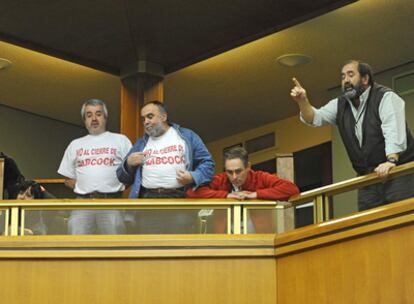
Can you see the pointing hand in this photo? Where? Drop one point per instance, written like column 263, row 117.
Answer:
column 298, row 93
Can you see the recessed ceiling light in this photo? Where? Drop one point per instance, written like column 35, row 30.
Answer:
column 294, row 60
column 4, row 63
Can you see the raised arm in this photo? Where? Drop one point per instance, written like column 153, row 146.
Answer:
column 298, row 94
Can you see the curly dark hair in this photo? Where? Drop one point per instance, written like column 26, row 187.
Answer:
column 364, row 69
column 33, row 188
column 12, row 176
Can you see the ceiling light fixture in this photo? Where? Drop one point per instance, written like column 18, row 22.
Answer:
column 294, row 60
column 4, row 63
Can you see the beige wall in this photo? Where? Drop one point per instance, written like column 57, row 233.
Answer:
column 36, row 143
column 291, row 136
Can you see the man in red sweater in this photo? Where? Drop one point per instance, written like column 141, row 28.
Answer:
column 240, row 182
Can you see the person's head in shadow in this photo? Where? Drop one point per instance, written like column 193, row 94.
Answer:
column 29, row 190
column 41, row 221
column 12, row 176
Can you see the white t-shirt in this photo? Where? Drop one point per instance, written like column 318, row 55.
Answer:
column 164, row 156
column 93, row 159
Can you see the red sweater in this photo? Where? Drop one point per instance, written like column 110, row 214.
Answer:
column 266, row 185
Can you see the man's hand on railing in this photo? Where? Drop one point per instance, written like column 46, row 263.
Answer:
column 250, row 195
column 242, row 195
column 384, row 168
column 70, row 183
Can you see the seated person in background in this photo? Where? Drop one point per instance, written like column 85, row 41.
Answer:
column 16, row 187
column 240, row 182
column 12, row 176
column 41, row 222
column 30, row 190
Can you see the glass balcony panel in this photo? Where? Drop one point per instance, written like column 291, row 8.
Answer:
column 130, row 221
column 2, row 221
column 268, row 220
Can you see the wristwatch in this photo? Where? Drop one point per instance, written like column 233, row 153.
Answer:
column 392, row 160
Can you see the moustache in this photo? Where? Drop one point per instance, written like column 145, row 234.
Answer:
column 348, row 86
column 349, row 91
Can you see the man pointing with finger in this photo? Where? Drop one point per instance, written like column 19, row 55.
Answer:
column 371, row 121
column 166, row 161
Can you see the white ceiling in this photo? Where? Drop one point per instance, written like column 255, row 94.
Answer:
column 237, row 90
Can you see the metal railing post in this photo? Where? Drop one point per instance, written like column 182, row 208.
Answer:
column 237, row 219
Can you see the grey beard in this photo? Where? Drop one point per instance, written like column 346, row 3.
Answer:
column 351, row 94
column 355, row 92
column 156, row 131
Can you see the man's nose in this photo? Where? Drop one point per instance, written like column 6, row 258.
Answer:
column 347, row 79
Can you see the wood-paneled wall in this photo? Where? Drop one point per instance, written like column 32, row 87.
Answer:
column 170, row 269
column 364, row 258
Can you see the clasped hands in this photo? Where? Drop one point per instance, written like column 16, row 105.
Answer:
column 242, row 195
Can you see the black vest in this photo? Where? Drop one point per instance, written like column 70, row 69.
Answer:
column 372, row 151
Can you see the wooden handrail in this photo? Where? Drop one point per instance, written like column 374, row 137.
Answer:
column 119, row 203
column 333, row 189
column 350, row 184
column 49, row 181
column 320, row 196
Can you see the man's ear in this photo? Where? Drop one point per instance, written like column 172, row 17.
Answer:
column 365, row 80
column 249, row 165
column 164, row 117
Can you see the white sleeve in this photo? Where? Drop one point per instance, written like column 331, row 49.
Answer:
column 67, row 165
column 392, row 114
column 126, row 146
column 325, row 115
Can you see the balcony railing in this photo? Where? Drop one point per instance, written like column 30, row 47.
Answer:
column 320, row 196
column 16, row 214
column 238, row 215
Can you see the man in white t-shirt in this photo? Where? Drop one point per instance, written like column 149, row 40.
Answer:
column 163, row 163
column 89, row 166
